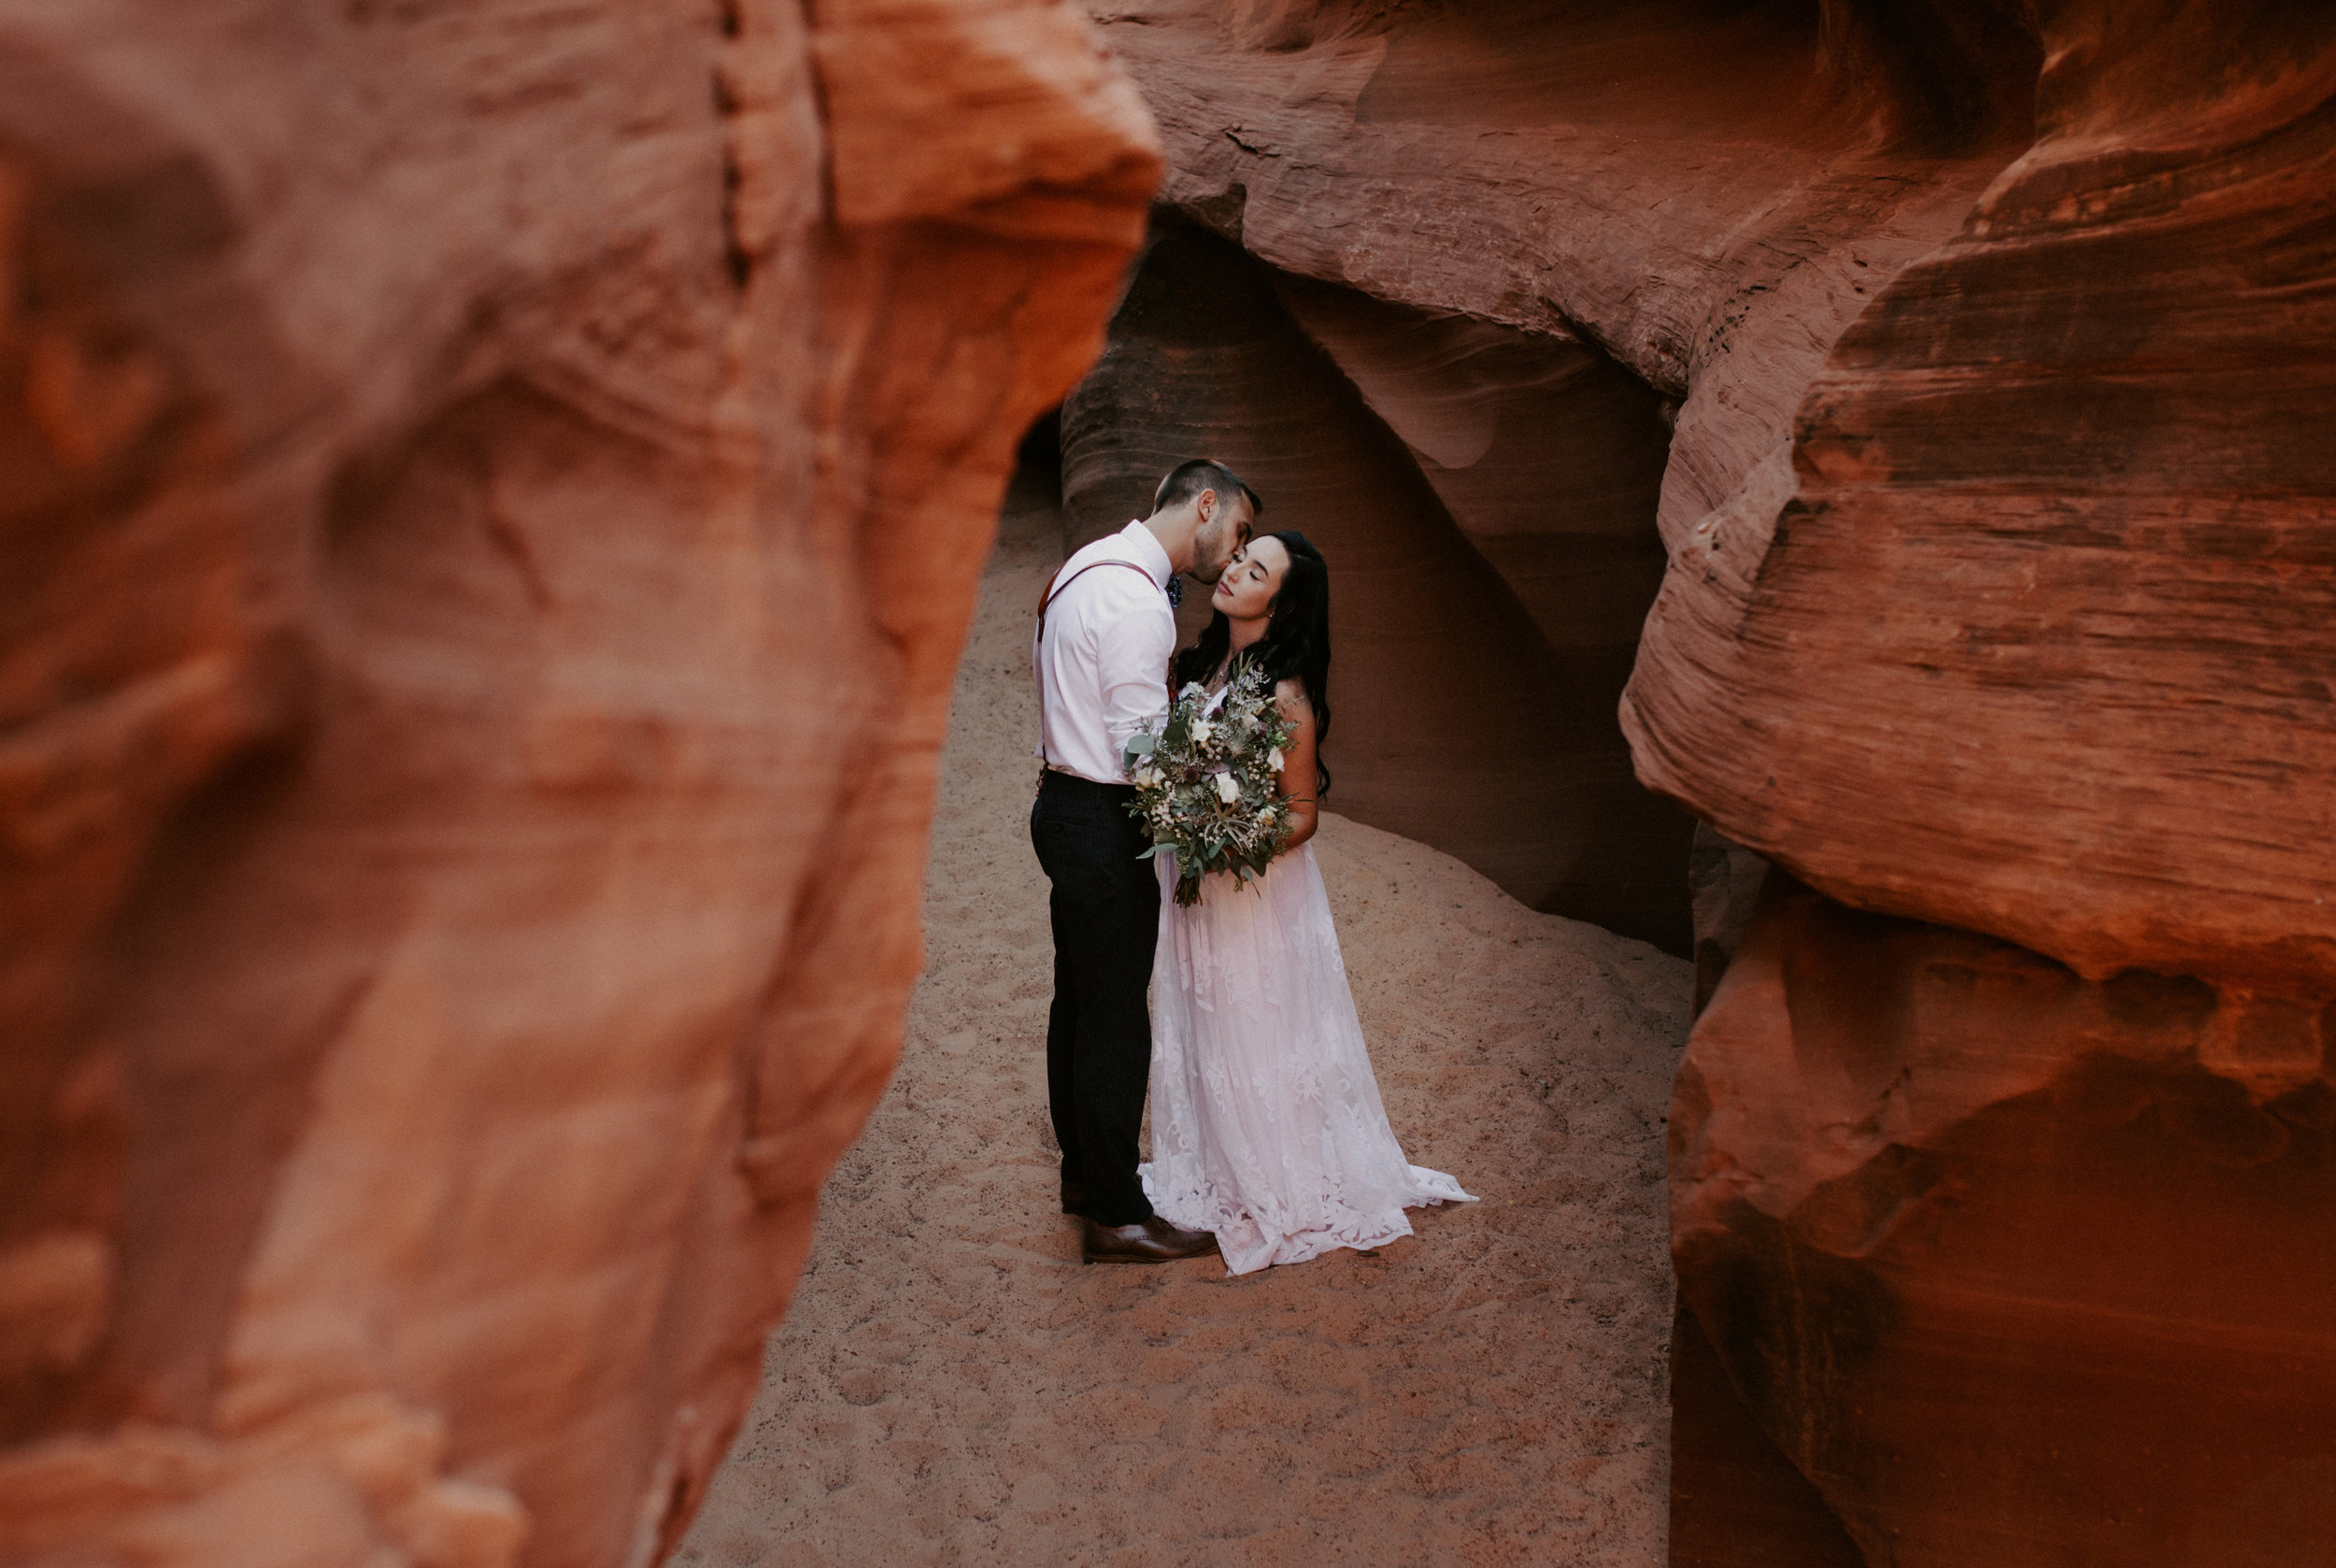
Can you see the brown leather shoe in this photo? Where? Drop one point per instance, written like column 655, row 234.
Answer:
column 1075, row 1199
column 1153, row 1241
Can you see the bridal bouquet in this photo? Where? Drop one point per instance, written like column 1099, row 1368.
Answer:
column 1204, row 784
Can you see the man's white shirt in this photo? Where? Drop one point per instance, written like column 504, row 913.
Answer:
column 1102, row 664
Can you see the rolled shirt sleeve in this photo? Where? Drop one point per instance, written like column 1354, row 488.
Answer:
column 1132, row 655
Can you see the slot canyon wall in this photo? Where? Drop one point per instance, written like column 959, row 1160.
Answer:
column 1486, row 607
column 493, row 494
column 1496, row 301
column 1964, row 366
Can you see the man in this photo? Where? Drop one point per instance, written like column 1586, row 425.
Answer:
column 1105, row 632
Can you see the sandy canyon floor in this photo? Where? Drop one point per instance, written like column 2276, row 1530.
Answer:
column 954, row 1386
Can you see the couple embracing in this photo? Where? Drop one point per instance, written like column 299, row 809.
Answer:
column 1268, row 1141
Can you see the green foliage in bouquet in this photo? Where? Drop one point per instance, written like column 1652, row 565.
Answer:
column 1204, row 786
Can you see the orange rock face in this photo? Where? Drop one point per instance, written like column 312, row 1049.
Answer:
column 2036, row 634
column 2022, row 1263
column 1996, row 346
column 2019, row 1268
column 1481, row 638
column 1566, row 275
column 492, row 497
column 1709, row 194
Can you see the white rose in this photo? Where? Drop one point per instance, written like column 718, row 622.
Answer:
column 1228, row 787
column 1273, row 759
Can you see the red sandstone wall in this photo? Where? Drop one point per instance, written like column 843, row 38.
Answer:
column 492, row 497
column 2038, row 641
column 492, row 500
column 2022, row 1263
column 2017, row 1267
column 1709, row 193
column 1571, row 268
column 1998, row 596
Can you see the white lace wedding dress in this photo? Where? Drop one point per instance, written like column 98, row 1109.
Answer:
column 1266, row 1122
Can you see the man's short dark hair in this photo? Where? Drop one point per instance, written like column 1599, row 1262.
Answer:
column 1188, row 480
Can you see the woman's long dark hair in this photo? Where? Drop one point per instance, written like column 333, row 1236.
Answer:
column 1297, row 640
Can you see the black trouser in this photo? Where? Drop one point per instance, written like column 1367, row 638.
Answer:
column 1106, row 907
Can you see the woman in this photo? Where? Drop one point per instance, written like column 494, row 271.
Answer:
column 1266, row 1122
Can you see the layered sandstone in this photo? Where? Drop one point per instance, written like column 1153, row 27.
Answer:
column 2035, row 633
column 2017, row 1267
column 2031, row 636
column 1708, row 193
column 1995, row 345
column 1566, row 275
column 492, row 498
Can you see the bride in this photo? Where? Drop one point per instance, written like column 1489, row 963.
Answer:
column 1266, row 1124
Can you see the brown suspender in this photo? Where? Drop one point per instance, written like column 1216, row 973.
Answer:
column 1046, row 601
column 1052, row 594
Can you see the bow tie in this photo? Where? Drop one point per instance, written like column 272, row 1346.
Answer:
column 1175, row 591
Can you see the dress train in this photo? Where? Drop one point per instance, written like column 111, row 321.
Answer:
column 1267, row 1127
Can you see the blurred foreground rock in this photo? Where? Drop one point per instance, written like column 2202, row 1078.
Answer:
column 492, row 497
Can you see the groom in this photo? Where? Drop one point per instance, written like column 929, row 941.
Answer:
column 1106, row 631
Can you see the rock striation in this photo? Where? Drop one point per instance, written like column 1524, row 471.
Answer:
column 1709, row 194
column 1994, row 343
column 2029, row 637
column 1571, row 273
column 492, row 498
column 2033, row 634
column 2017, row 1267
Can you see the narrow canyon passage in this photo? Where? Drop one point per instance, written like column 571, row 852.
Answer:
column 491, row 501
column 953, row 1386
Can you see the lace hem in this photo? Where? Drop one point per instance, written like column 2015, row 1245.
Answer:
column 1181, row 1195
